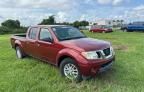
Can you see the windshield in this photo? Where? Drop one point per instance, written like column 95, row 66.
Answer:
column 104, row 26
column 67, row 33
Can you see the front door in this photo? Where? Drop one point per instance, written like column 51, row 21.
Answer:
column 47, row 49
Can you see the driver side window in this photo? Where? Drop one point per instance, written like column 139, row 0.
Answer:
column 45, row 35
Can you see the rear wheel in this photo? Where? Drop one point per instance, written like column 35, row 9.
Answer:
column 19, row 53
column 91, row 31
column 103, row 32
column 70, row 69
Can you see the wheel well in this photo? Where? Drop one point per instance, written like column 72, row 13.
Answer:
column 62, row 58
column 16, row 45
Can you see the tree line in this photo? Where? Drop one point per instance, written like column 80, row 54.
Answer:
column 14, row 26
column 51, row 21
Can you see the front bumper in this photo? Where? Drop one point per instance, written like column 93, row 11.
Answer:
column 96, row 66
column 105, row 66
column 108, row 31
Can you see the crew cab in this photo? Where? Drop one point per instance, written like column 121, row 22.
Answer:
column 100, row 29
column 76, row 55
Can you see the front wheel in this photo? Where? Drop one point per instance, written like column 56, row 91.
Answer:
column 125, row 30
column 70, row 69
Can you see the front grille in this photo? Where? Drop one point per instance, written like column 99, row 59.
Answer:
column 107, row 51
column 106, row 64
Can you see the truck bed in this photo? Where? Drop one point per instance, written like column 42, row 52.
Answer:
column 20, row 35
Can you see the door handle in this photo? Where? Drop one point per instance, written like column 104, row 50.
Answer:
column 38, row 45
column 27, row 42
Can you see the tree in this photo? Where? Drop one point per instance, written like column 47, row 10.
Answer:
column 84, row 23
column 76, row 24
column 80, row 23
column 49, row 21
column 11, row 23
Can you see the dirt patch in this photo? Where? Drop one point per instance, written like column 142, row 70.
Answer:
column 121, row 47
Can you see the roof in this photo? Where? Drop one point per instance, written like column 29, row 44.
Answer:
column 48, row 25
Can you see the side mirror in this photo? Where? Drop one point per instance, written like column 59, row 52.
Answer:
column 48, row 40
column 81, row 31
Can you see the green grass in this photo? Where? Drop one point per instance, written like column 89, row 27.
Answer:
column 32, row 75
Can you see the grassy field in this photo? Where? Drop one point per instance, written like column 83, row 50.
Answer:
column 32, row 75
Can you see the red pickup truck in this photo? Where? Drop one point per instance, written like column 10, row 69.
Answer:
column 76, row 55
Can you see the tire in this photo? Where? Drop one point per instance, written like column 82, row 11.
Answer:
column 19, row 53
column 91, row 31
column 103, row 32
column 70, row 70
column 125, row 30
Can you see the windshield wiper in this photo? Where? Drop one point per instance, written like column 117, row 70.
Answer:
column 73, row 38
column 79, row 37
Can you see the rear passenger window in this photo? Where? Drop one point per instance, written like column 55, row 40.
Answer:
column 33, row 33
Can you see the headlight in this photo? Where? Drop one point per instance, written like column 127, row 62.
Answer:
column 112, row 50
column 90, row 55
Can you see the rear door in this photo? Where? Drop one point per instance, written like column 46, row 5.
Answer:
column 31, row 47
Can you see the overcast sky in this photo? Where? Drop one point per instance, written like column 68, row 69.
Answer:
column 31, row 12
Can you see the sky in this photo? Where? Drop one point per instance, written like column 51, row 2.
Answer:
column 31, row 12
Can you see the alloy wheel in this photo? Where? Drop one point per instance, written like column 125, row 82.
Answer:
column 71, row 71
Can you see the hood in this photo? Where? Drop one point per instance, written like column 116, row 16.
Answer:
column 86, row 44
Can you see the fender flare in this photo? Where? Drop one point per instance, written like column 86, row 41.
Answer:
column 74, row 54
column 17, row 42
